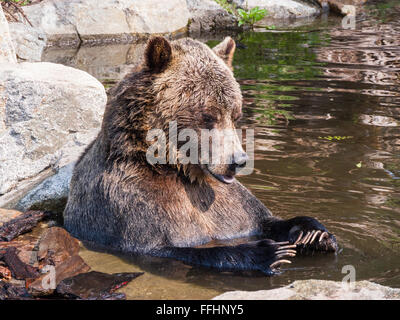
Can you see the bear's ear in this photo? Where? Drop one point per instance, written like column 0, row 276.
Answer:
column 157, row 54
column 225, row 50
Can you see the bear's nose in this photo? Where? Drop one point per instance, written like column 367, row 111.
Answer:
column 240, row 159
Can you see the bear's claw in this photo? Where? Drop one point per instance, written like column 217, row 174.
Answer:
column 310, row 237
column 307, row 233
column 279, row 263
column 270, row 255
column 309, row 240
column 283, row 250
column 287, row 250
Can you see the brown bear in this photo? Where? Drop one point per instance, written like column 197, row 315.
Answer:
column 120, row 200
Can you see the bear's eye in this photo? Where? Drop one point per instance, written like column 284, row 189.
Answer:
column 209, row 119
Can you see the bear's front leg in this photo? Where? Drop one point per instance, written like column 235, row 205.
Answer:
column 305, row 232
column 264, row 255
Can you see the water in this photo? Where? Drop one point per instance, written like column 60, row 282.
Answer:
column 325, row 106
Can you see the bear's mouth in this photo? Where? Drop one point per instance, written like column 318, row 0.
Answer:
column 222, row 177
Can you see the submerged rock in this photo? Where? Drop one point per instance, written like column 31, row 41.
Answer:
column 50, row 113
column 95, row 285
column 68, row 22
column 317, row 290
column 7, row 52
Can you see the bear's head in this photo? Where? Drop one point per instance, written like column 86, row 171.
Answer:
column 188, row 92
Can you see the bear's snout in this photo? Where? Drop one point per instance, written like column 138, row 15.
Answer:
column 240, row 159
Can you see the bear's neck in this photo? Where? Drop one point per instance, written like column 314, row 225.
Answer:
column 124, row 129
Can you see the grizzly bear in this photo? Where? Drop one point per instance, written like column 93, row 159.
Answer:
column 120, row 200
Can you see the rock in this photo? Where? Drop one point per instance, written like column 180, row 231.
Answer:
column 6, row 215
column 340, row 6
column 30, row 258
column 7, row 52
column 18, row 268
column 5, row 273
column 57, row 245
column 317, row 290
column 281, row 9
column 51, row 194
column 48, row 114
column 95, row 285
column 57, row 250
column 9, row 291
column 28, row 42
column 68, row 22
column 207, row 15
column 70, row 267
column 154, row 16
column 26, row 248
column 110, row 62
column 378, row 121
column 21, row 224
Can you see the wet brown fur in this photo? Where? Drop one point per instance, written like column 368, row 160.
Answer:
column 119, row 200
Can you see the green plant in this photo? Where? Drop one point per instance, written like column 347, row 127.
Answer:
column 250, row 17
column 337, row 138
column 19, row 2
column 229, row 7
column 244, row 16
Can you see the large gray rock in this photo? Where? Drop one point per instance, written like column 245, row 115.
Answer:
column 72, row 21
column 108, row 63
column 48, row 114
column 28, row 42
column 318, row 290
column 104, row 63
column 207, row 15
column 282, row 9
column 7, row 52
column 51, row 194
